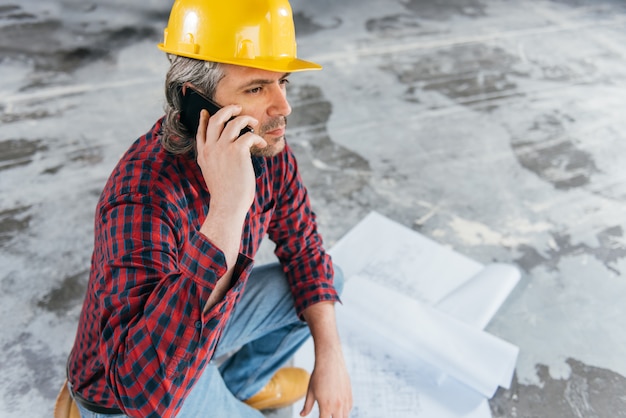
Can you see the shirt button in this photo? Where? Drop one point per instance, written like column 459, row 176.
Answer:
column 198, row 324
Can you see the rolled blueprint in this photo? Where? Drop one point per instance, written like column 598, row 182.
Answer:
column 423, row 338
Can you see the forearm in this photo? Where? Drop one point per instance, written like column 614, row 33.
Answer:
column 330, row 384
column 322, row 323
column 223, row 227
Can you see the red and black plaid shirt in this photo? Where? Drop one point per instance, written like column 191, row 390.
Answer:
column 142, row 339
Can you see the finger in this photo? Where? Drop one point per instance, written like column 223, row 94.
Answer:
column 202, row 128
column 218, row 121
column 250, row 140
column 324, row 412
column 308, row 405
column 234, row 127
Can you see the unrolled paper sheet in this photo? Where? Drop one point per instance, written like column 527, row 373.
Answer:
column 411, row 325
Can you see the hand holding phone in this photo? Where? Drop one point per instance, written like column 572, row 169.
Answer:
column 192, row 104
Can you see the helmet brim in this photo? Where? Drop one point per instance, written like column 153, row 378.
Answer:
column 284, row 65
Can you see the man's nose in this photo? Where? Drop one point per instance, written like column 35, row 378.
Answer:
column 279, row 105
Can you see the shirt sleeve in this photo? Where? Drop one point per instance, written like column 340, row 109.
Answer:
column 154, row 280
column 299, row 246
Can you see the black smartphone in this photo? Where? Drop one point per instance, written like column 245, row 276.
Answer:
column 192, row 104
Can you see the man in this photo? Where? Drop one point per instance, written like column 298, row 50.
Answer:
column 176, row 322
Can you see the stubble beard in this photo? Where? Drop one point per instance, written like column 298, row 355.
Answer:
column 275, row 145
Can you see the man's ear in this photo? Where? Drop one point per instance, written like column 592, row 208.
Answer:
column 183, row 88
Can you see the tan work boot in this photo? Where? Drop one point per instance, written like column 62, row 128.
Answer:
column 64, row 406
column 286, row 386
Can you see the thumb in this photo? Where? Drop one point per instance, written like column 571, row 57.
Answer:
column 308, row 404
column 259, row 142
column 252, row 140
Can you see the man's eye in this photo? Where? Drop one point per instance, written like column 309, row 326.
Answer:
column 284, row 81
column 255, row 90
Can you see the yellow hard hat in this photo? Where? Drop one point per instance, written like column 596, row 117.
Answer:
column 250, row 33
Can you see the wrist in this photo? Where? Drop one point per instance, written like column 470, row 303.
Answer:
column 227, row 210
column 322, row 323
column 223, row 227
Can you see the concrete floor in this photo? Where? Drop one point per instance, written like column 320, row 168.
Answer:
column 492, row 126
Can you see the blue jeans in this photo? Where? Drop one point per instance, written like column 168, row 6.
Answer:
column 264, row 332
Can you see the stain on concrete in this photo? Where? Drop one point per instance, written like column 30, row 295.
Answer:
column 468, row 86
column 64, row 46
column 610, row 250
column 52, row 170
column 564, row 73
column 394, row 25
column 531, row 258
column 612, row 247
column 10, row 117
column 14, row 12
column 29, row 38
column 159, row 16
column 311, row 113
column 92, row 155
column 615, row 4
column 547, row 149
column 334, row 175
column 7, row 9
column 589, row 392
column 102, row 46
column 306, row 25
column 445, row 9
column 18, row 152
column 12, row 222
column 311, row 109
column 32, row 356
column 479, row 76
column 560, row 163
column 66, row 295
column 467, row 74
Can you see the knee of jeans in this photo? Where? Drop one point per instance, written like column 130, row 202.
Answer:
column 338, row 279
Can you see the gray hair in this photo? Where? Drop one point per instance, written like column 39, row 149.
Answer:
column 204, row 75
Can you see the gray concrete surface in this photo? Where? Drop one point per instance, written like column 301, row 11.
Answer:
column 494, row 127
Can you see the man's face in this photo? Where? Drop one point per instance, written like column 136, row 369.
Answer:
column 262, row 95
